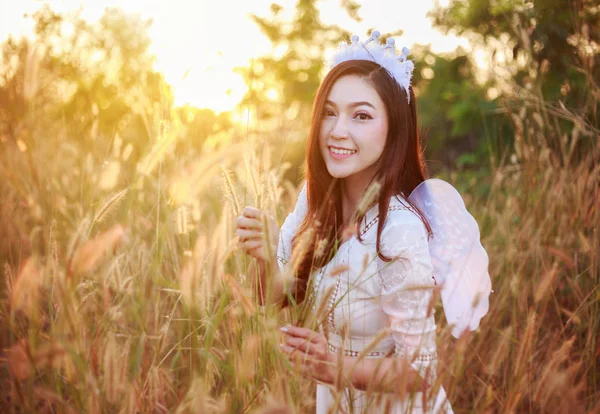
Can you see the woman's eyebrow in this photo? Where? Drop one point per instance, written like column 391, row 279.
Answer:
column 351, row 104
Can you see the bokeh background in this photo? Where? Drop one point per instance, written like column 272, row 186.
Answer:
column 133, row 132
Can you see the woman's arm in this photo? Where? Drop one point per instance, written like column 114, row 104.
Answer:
column 406, row 298
column 309, row 350
column 391, row 374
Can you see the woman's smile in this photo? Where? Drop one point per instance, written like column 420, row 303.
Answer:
column 340, row 153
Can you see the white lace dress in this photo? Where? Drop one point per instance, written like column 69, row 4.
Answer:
column 372, row 295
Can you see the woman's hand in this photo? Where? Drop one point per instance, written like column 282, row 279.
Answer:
column 258, row 233
column 308, row 350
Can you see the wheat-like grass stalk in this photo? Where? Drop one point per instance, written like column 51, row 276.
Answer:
column 231, row 191
column 113, row 202
column 369, row 196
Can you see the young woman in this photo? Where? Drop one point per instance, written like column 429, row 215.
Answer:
column 374, row 238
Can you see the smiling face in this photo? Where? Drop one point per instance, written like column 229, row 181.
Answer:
column 354, row 128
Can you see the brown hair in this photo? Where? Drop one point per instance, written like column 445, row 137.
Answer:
column 401, row 167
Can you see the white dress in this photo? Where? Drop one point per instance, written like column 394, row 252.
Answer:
column 372, row 295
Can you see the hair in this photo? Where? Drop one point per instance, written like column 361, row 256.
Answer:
column 401, row 169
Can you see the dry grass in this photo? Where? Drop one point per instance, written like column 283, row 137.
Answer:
column 149, row 309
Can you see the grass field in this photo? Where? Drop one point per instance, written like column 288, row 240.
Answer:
column 124, row 291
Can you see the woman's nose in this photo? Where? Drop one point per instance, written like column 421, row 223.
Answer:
column 340, row 129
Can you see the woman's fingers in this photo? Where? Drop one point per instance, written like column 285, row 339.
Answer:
column 245, row 234
column 305, row 333
column 251, row 244
column 248, row 223
column 251, row 212
column 301, row 344
column 299, row 360
column 296, row 354
column 251, row 226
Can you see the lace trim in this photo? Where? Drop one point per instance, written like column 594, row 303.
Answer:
column 351, row 353
column 399, row 296
column 417, row 358
column 397, row 353
column 376, row 219
column 395, row 276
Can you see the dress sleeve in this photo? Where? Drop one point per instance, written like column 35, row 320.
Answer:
column 407, row 290
column 289, row 229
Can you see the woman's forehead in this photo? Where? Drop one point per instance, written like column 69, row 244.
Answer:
column 352, row 89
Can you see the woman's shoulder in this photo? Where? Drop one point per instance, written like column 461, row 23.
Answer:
column 403, row 231
column 399, row 213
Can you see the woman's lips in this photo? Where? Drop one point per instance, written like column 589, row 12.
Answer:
column 339, row 156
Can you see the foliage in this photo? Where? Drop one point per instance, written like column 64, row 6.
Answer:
column 454, row 111
column 60, row 74
column 554, row 44
column 85, row 95
column 294, row 71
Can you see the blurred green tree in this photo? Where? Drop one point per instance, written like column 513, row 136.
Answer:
column 554, row 45
column 95, row 76
column 196, row 125
column 455, row 112
column 290, row 77
column 84, row 98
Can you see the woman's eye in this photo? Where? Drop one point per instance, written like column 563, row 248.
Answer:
column 328, row 112
column 363, row 116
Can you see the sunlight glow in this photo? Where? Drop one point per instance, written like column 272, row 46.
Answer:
column 198, row 44
column 215, row 87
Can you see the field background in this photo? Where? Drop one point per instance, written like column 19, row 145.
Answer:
column 123, row 289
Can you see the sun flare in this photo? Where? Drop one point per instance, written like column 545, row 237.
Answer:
column 215, row 88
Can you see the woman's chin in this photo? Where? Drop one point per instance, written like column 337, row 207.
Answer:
column 337, row 173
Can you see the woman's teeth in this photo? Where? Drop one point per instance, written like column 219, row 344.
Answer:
column 341, row 151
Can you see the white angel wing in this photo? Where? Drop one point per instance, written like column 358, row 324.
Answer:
column 459, row 260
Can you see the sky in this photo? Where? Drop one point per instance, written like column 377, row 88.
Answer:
column 196, row 48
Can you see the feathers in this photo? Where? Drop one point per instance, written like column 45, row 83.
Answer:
column 460, row 261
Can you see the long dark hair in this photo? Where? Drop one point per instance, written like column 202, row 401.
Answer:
column 401, row 169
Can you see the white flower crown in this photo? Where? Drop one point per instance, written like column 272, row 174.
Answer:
column 384, row 55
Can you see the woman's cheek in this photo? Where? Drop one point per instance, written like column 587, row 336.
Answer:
column 323, row 137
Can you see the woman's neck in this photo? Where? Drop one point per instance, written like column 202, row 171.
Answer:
column 353, row 188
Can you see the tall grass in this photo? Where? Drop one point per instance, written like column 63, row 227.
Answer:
column 538, row 348
column 135, row 299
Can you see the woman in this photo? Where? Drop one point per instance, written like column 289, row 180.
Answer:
column 359, row 235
